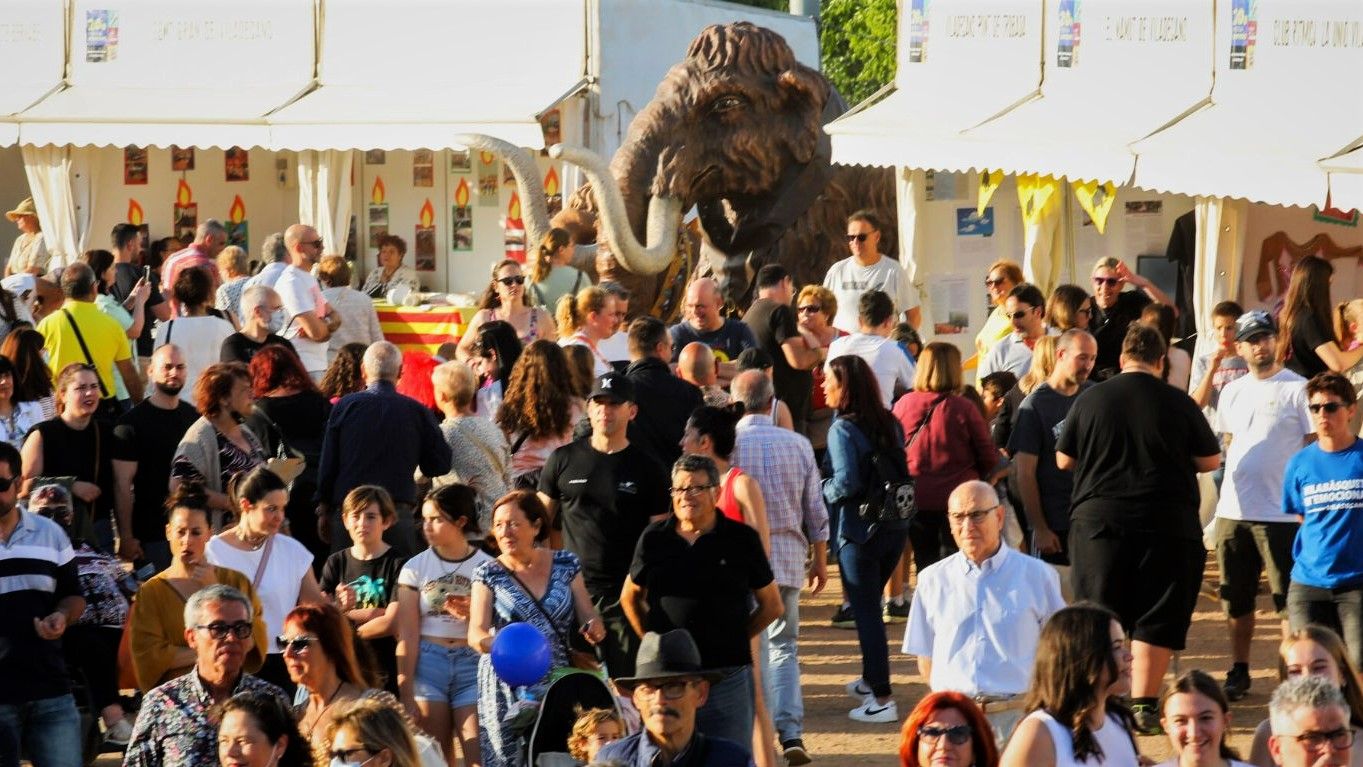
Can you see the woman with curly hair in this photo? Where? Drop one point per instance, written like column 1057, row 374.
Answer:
column 32, row 377
column 947, row 728
column 538, row 411
column 344, row 376
column 507, row 299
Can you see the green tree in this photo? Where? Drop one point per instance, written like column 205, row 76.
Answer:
column 857, row 41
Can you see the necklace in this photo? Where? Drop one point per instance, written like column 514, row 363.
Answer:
column 254, row 546
column 325, row 707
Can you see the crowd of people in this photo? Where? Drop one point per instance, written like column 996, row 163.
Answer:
column 303, row 545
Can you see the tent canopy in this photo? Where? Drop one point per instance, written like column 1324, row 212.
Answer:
column 32, row 55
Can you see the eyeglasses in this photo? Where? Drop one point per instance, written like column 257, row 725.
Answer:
column 670, row 690
column 956, row 736
column 976, row 517
column 509, row 281
column 220, row 630
column 344, row 754
column 857, row 237
column 1108, row 281
column 988, row 283
column 811, row 309
column 1328, row 407
column 1085, row 310
column 690, row 492
column 317, row 243
column 1019, row 314
column 1317, row 741
column 295, row 645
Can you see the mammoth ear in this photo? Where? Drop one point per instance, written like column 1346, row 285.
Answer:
column 802, row 89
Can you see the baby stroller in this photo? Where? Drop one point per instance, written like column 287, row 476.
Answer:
column 547, row 744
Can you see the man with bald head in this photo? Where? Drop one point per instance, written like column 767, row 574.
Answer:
column 703, row 321
column 697, row 366
column 977, row 615
column 145, row 439
column 308, row 320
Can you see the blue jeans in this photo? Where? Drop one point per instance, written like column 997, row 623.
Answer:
column 728, row 712
column 46, row 731
column 865, row 569
column 781, row 669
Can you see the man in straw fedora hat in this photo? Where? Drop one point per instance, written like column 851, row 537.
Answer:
column 29, row 254
column 668, row 686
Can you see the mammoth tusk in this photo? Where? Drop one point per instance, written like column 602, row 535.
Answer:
column 533, row 209
column 663, row 223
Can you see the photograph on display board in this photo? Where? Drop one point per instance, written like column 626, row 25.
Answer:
column 378, row 223
column 375, row 157
column 186, row 221
column 424, row 260
column 134, row 165
column 182, row 158
column 461, row 224
column 101, row 36
column 423, row 168
column 237, row 164
column 487, row 180
column 460, row 161
column 238, row 234
column 1067, row 47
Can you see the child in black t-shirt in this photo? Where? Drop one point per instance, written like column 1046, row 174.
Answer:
column 363, row 579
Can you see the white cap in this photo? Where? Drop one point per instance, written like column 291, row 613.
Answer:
column 19, row 284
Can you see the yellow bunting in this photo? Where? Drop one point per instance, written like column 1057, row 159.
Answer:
column 1096, row 200
column 989, row 182
column 1033, row 194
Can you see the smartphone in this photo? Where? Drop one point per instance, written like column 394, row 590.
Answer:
column 146, row 273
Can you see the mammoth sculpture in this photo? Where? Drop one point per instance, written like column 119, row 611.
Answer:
column 735, row 133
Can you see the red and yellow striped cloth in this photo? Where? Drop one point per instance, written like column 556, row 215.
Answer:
column 422, row 328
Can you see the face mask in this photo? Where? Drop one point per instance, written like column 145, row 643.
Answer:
column 276, row 322
column 336, row 762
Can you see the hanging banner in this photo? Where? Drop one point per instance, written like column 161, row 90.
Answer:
column 1033, row 194
column 989, row 183
column 1096, row 200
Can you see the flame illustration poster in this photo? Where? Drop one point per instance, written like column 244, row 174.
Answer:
column 514, row 227
column 423, row 168
column 137, row 218
column 134, row 165
column 237, row 230
column 425, row 239
column 182, row 158
column 461, row 218
column 553, row 196
column 487, row 180
column 186, row 216
column 378, row 213
column 237, row 164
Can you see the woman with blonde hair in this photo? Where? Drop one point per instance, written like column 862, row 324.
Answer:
column 587, row 319
column 551, row 276
column 1314, row 651
column 1043, row 362
column 506, row 299
column 538, row 411
column 999, row 281
column 948, row 443
column 372, row 733
column 232, row 265
column 815, row 308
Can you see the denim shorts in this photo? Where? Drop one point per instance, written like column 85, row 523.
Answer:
column 447, row 675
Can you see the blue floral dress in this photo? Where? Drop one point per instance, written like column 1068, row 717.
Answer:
column 510, row 604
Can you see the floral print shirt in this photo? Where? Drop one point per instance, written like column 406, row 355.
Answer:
column 175, row 727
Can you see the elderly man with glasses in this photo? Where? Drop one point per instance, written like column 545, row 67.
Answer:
column 1310, row 722
column 977, row 615
column 176, row 724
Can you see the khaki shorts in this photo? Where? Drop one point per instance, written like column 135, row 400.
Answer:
column 1244, row 550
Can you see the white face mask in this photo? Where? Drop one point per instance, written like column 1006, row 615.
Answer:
column 276, row 322
column 336, row 762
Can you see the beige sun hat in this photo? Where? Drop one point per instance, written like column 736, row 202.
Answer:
column 25, row 208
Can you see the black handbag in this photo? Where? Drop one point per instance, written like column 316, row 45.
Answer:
column 890, row 493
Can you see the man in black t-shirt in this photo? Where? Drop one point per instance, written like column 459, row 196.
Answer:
column 262, row 315
column 700, row 571
column 1135, row 445
column 145, row 439
column 127, row 246
column 793, row 354
column 604, row 491
column 1114, row 311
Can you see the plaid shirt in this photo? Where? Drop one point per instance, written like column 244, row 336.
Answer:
column 175, row 726
column 783, row 464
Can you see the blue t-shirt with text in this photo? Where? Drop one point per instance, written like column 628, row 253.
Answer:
column 1326, row 489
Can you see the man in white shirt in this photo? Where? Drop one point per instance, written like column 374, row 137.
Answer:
column 309, row 320
column 1026, row 307
column 871, row 342
column 977, row 615
column 1263, row 421
column 867, row 270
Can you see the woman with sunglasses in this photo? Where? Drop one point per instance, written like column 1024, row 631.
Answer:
column 816, row 306
column 370, row 733
column 1069, row 306
column 157, row 621
column 999, row 281
column 1114, row 310
column 507, row 299
column 319, row 654
column 947, row 728
column 279, row 566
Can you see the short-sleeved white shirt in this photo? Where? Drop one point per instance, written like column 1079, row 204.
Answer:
column 300, row 294
column 281, row 582
column 1266, row 420
column 848, row 279
column 433, row 578
column 886, row 359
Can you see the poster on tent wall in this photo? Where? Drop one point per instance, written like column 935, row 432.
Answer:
column 378, row 213
column 375, row 157
column 134, row 166
column 460, row 161
column 101, row 36
column 137, row 218
column 550, row 124
column 423, row 168
column 424, row 260
column 237, row 164
column 185, row 214
column 461, row 218
column 182, row 158
column 1244, row 32
column 514, row 228
column 487, row 180
column 918, row 31
column 1067, row 49
column 553, row 195
column 237, row 231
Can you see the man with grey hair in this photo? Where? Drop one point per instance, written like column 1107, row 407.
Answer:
column 1310, row 722
column 309, row 320
column 262, row 317
column 81, row 333
column 782, row 463
column 209, row 240
column 378, row 437
column 274, row 254
column 176, row 724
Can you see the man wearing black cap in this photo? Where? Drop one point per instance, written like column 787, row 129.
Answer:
column 1263, row 421
column 603, row 491
column 668, row 686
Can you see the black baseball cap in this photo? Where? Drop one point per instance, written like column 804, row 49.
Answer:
column 613, row 386
column 1255, row 322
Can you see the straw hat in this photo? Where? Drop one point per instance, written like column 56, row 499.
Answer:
column 25, row 208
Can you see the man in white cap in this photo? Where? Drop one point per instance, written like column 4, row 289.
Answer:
column 29, row 254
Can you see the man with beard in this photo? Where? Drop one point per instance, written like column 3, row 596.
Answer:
column 40, row 596
column 145, row 439
column 1044, row 487
column 1264, row 422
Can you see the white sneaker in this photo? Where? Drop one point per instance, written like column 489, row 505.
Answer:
column 858, row 689
column 120, row 733
column 872, row 712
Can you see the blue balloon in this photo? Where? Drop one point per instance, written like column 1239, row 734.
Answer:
column 520, row 654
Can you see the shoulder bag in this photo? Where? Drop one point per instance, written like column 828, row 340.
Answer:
column 587, row 661
column 890, row 491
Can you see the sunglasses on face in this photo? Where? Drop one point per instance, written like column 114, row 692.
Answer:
column 1019, row 314
column 315, row 243
column 220, row 630
column 7, row 482
column 1108, row 281
column 988, row 283
column 295, row 645
column 811, row 309
column 857, row 237
column 956, row 736
column 509, row 281
column 1328, row 407
column 1085, row 310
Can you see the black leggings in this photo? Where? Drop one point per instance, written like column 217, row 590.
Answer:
column 930, row 536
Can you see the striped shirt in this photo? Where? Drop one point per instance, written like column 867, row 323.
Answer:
column 783, row 464
column 37, row 570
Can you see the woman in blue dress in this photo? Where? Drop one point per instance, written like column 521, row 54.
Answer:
column 529, row 584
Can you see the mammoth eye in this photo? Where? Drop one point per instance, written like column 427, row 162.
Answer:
column 727, row 104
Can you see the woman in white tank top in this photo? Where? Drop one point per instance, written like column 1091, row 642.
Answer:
column 1069, row 727
column 1196, row 714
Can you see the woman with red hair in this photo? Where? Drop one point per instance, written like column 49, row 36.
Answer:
column 290, row 418
column 947, row 728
